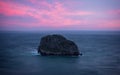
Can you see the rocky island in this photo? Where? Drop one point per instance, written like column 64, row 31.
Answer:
column 57, row 45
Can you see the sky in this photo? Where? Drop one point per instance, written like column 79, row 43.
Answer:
column 59, row 15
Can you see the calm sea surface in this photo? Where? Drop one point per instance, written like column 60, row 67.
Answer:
column 101, row 54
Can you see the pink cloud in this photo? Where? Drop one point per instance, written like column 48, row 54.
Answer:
column 79, row 13
column 13, row 9
column 114, row 12
column 54, row 15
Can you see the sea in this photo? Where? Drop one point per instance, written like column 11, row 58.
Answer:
column 100, row 54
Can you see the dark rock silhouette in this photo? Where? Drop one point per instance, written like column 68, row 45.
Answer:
column 57, row 45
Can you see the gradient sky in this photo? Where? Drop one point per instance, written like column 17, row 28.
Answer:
column 59, row 14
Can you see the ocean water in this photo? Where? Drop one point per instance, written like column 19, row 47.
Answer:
column 101, row 54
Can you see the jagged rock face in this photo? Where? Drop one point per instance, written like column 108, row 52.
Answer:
column 57, row 45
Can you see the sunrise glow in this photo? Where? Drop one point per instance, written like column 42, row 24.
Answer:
column 60, row 14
